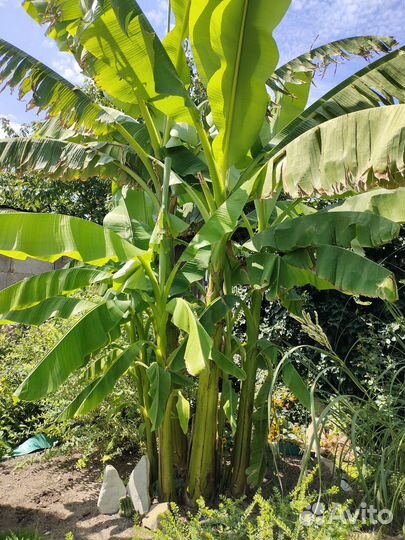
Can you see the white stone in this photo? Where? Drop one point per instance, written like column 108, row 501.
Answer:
column 111, row 491
column 152, row 519
column 138, row 486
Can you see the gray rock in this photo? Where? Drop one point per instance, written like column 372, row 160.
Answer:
column 152, row 519
column 111, row 492
column 344, row 485
column 138, row 486
column 328, row 466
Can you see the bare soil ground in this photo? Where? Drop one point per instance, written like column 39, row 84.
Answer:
column 53, row 497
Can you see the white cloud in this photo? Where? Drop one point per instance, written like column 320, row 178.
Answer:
column 326, row 20
column 66, row 66
column 158, row 15
column 310, row 23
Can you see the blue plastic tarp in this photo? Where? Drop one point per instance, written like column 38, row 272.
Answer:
column 33, row 444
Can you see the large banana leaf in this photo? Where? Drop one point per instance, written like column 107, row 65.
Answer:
column 132, row 217
column 67, row 11
column 89, row 334
column 241, row 36
column 325, row 267
column 64, row 160
column 354, row 274
column 337, row 228
column 103, row 385
column 53, row 128
column 74, row 115
column 192, row 271
column 115, row 44
column 49, row 91
column 58, row 306
column 227, row 365
column 276, row 274
column 207, row 61
column 351, row 153
column 33, row 290
column 48, row 237
column 380, row 83
column 174, row 41
column 388, row 203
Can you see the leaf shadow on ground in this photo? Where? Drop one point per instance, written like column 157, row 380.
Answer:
column 53, row 497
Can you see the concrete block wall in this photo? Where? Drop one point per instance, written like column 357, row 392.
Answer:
column 12, row 270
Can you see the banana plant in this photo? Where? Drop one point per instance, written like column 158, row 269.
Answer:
column 206, row 198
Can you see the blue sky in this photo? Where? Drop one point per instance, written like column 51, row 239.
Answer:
column 307, row 23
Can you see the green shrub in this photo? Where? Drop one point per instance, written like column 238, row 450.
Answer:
column 21, row 536
column 279, row 518
column 110, row 430
column 19, row 350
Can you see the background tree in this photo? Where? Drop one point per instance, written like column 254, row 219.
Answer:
column 88, row 200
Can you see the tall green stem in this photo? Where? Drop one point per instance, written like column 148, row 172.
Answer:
column 165, row 243
column 218, row 185
column 151, row 446
column 202, row 467
column 137, row 328
column 167, row 340
column 243, row 436
column 166, row 483
column 241, row 454
column 227, row 350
